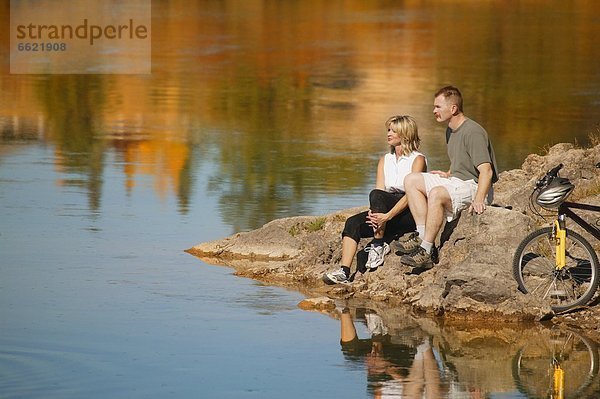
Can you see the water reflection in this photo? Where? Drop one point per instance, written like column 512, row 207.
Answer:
column 562, row 365
column 265, row 301
column 409, row 357
column 280, row 102
column 394, row 369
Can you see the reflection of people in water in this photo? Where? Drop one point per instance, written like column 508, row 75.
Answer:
column 393, row 370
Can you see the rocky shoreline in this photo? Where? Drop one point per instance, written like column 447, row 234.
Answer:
column 473, row 280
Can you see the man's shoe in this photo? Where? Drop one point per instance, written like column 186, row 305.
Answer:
column 336, row 277
column 376, row 255
column 419, row 259
column 408, row 243
column 435, row 255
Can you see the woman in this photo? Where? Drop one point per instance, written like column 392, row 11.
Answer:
column 388, row 216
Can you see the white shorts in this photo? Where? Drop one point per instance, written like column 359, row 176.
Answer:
column 461, row 192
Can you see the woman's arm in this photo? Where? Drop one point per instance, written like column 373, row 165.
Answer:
column 380, row 180
column 419, row 165
column 399, row 207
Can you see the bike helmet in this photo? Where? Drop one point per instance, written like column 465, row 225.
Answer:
column 554, row 193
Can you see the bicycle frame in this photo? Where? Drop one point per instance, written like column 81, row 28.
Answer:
column 564, row 212
column 564, row 209
column 557, row 263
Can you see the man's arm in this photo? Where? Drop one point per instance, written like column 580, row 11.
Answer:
column 483, row 186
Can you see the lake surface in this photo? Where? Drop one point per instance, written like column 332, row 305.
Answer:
column 258, row 110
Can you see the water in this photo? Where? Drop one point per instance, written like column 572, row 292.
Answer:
column 105, row 303
column 255, row 110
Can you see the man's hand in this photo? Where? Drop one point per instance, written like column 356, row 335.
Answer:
column 477, row 206
column 443, row 174
column 485, row 182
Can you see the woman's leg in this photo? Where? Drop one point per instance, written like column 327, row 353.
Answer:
column 356, row 227
column 380, row 232
column 399, row 225
column 348, row 331
column 349, row 247
column 381, row 202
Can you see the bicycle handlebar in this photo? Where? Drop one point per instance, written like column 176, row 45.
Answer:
column 551, row 174
column 554, row 171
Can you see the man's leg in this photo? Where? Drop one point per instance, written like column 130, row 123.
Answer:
column 438, row 202
column 416, row 193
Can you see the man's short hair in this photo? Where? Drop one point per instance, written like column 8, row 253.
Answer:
column 451, row 94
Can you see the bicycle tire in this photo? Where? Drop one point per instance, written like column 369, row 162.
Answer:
column 535, row 271
column 577, row 355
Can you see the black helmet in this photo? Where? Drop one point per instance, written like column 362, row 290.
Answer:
column 554, row 193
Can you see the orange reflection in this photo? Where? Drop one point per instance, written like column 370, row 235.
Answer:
column 318, row 75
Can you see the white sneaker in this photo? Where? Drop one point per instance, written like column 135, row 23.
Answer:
column 376, row 254
column 336, row 277
column 375, row 324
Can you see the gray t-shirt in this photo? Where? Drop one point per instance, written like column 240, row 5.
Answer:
column 469, row 147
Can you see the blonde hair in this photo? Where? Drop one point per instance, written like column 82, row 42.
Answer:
column 406, row 127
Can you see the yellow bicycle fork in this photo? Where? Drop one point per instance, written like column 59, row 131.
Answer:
column 560, row 234
column 558, row 387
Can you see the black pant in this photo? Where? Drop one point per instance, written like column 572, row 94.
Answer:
column 380, row 202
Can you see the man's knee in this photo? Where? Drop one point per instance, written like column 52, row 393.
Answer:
column 413, row 181
column 439, row 196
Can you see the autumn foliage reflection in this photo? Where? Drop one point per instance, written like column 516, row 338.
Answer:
column 287, row 99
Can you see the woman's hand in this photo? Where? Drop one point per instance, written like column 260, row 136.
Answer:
column 376, row 220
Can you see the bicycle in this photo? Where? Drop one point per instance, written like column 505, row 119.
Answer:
column 562, row 364
column 556, row 263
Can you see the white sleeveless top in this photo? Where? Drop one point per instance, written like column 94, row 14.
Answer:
column 395, row 170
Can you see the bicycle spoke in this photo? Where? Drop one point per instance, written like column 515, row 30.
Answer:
column 570, row 278
column 574, row 354
column 536, row 271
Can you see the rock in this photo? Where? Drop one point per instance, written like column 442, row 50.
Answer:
column 473, row 279
column 321, row 304
column 514, row 186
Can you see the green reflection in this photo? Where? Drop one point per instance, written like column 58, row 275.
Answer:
column 269, row 157
column 71, row 104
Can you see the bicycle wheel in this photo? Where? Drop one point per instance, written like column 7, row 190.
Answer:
column 533, row 365
column 534, row 268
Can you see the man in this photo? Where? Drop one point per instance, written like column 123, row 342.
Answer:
column 468, row 183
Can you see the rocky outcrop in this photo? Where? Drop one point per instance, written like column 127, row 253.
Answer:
column 473, row 279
